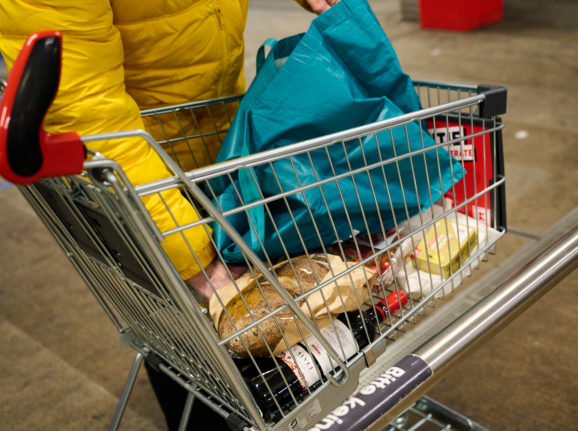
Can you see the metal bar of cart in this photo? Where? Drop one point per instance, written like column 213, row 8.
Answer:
column 509, row 290
column 299, row 147
column 118, row 414
column 428, row 414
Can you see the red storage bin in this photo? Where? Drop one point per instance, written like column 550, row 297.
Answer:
column 459, row 15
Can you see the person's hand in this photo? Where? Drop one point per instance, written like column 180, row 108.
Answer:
column 318, row 6
column 217, row 275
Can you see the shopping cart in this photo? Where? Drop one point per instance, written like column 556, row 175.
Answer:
column 98, row 218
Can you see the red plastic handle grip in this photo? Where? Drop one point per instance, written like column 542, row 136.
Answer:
column 27, row 151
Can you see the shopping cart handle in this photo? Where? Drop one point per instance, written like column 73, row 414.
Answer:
column 27, row 151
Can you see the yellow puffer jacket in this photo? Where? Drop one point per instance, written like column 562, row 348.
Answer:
column 119, row 55
column 194, row 51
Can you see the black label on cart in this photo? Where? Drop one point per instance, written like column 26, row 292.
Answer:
column 372, row 401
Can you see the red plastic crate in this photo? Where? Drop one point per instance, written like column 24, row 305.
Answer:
column 459, row 15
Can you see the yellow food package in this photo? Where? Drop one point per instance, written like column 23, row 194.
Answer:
column 444, row 253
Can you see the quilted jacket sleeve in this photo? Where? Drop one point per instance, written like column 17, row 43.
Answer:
column 92, row 99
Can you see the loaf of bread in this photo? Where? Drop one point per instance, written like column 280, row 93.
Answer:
column 297, row 276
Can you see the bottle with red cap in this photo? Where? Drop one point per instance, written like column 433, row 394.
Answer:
column 368, row 321
column 295, row 373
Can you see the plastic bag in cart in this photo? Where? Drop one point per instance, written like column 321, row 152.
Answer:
column 341, row 74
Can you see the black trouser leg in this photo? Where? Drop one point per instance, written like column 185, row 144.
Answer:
column 172, row 397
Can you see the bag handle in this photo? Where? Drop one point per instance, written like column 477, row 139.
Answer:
column 261, row 57
column 27, row 151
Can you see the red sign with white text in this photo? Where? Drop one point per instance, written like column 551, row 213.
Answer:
column 476, row 156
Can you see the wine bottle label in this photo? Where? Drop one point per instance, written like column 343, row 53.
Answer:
column 302, row 364
column 300, row 361
column 340, row 338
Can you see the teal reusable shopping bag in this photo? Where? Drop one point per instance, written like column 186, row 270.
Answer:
column 342, row 73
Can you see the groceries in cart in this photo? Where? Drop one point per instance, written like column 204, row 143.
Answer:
column 419, row 245
column 444, row 252
column 374, row 278
column 286, row 362
column 377, row 252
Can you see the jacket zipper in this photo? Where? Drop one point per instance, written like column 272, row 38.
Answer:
column 225, row 54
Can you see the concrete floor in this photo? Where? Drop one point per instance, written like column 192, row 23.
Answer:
column 61, row 364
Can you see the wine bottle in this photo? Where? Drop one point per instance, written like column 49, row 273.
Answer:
column 369, row 319
column 295, row 373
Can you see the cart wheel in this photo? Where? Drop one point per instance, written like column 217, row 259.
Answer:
column 27, row 151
